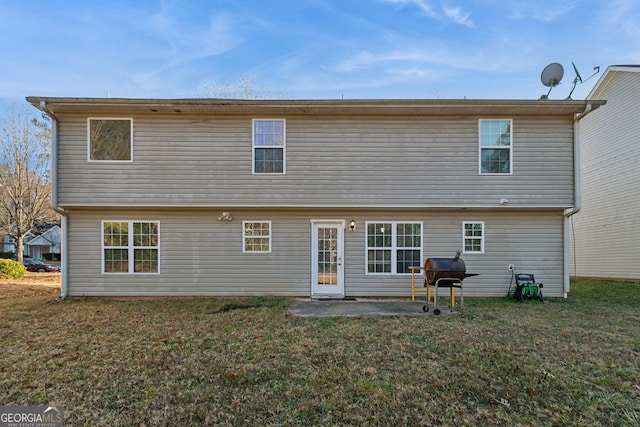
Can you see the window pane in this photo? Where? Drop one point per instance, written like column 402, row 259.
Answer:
column 269, row 160
column 145, row 234
column 279, row 127
column 379, row 261
column 408, row 235
column 109, row 139
column 116, row 234
column 379, row 235
column 406, row 259
column 473, row 245
column 145, row 261
column 495, row 133
column 473, row 229
column 116, row 260
column 495, row 160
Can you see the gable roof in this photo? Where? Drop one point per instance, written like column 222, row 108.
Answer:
column 402, row 107
column 39, row 241
column 610, row 73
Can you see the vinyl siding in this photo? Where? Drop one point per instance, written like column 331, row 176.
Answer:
column 607, row 231
column 202, row 161
column 200, row 255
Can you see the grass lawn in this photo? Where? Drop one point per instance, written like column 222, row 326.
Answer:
column 249, row 362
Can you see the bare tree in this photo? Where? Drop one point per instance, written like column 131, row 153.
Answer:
column 245, row 87
column 25, row 189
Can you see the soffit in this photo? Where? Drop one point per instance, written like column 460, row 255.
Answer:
column 384, row 107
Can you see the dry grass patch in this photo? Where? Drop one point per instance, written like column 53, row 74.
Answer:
column 249, row 362
column 31, row 285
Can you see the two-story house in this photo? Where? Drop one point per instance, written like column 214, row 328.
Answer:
column 323, row 198
column 607, row 235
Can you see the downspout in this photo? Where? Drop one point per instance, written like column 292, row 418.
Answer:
column 577, row 196
column 64, row 251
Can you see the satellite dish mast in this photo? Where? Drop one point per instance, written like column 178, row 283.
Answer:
column 551, row 76
column 578, row 78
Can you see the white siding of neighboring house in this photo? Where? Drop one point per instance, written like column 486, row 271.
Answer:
column 200, row 255
column 8, row 244
column 607, row 229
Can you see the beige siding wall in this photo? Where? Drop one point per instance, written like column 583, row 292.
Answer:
column 203, row 256
column 607, row 232
column 203, row 161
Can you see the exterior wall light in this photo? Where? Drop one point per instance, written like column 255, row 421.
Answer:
column 352, row 225
column 504, row 202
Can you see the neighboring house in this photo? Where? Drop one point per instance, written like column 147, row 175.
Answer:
column 607, row 232
column 8, row 244
column 37, row 244
column 325, row 198
column 45, row 243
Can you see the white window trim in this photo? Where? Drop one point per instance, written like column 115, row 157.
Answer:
column 394, row 248
column 496, row 147
column 284, row 147
column 130, row 247
column 89, row 159
column 244, row 236
column 465, row 238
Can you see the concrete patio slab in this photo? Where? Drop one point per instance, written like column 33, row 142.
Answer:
column 358, row 308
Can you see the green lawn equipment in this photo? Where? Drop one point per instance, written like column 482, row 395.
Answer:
column 527, row 288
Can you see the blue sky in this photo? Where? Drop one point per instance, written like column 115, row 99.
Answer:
column 315, row 49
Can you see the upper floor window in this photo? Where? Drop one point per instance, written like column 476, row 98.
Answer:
column 473, row 237
column 496, row 141
column 268, row 146
column 110, row 139
column 130, row 246
column 393, row 247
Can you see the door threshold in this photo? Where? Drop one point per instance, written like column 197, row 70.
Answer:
column 333, row 299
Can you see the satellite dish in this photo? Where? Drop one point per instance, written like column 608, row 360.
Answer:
column 578, row 76
column 551, row 76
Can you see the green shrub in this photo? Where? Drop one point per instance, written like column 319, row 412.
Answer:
column 10, row 269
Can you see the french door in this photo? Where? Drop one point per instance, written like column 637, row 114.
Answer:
column 327, row 259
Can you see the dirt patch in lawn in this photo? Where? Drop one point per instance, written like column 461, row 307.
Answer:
column 31, row 285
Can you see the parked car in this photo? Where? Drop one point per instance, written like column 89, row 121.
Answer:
column 39, row 266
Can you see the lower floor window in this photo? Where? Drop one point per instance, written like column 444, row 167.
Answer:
column 473, row 236
column 393, row 247
column 256, row 236
column 130, row 246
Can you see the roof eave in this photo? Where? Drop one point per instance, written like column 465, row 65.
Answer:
column 306, row 107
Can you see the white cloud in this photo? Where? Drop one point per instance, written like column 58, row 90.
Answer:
column 443, row 13
column 541, row 11
column 457, row 16
column 190, row 42
column 425, row 54
column 624, row 14
column 420, row 4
